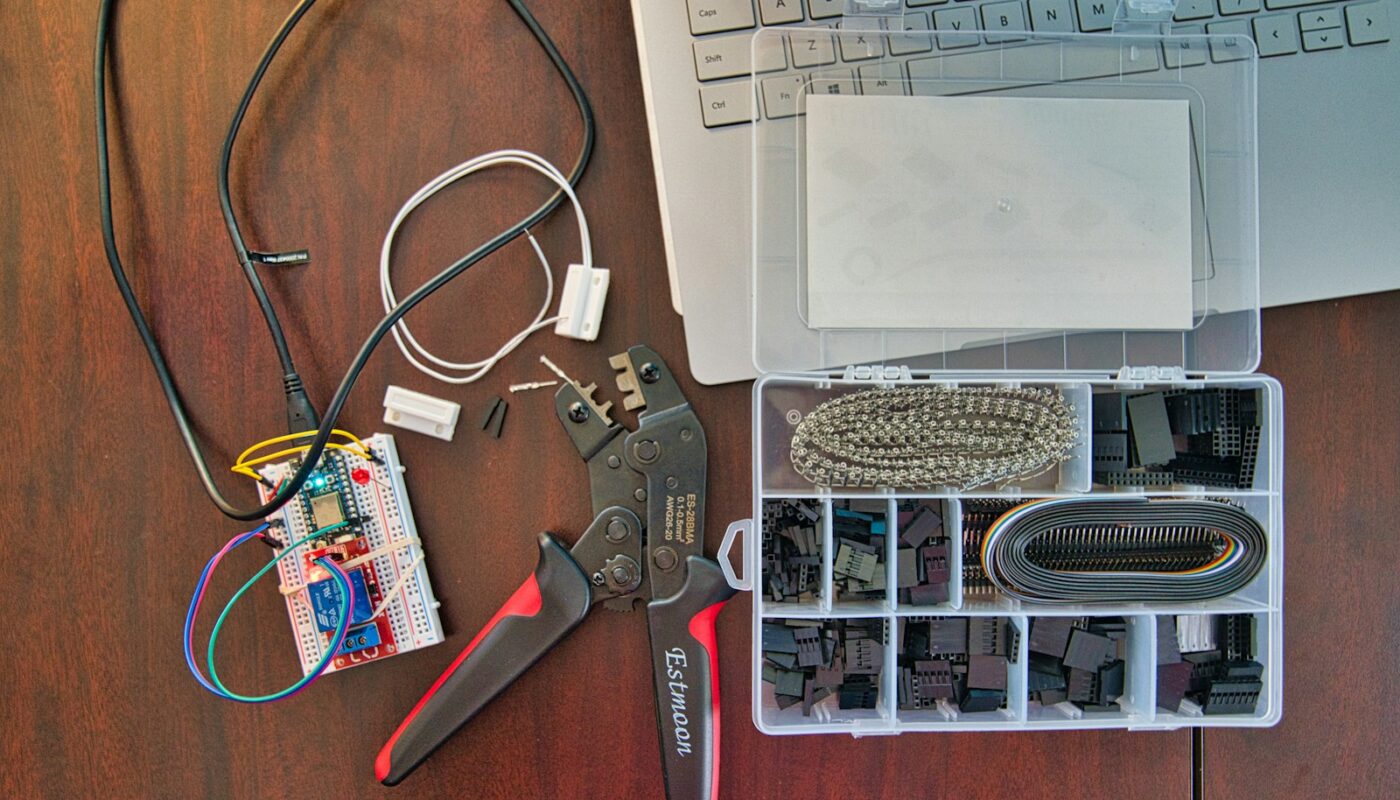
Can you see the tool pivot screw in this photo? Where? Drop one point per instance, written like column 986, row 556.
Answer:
column 578, row 412
column 665, row 559
column 598, row 579
column 646, row 451
column 621, row 576
column 649, row 373
column 617, row 531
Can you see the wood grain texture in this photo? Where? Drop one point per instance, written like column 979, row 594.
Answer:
column 1341, row 616
column 107, row 528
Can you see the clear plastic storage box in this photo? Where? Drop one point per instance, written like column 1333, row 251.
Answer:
column 803, row 364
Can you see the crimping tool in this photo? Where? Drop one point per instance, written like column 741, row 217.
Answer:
column 645, row 543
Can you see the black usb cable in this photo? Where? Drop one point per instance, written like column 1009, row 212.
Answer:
column 337, row 403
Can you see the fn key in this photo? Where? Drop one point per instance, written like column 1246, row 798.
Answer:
column 727, row 103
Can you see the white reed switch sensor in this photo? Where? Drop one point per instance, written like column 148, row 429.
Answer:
column 581, row 302
column 421, row 413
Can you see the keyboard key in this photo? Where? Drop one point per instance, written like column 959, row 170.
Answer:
column 861, row 46
column 1328, row 39
column 821, row 9
column 1108, row 62
column 769, row 51
column 1095, row 15
column 778, row 12
column 982, row 65
column 959, row 18
column 916, row 3
column 1007, row 16
column 1367, row 23
column 883, row 78
column 1321, row 19
column 922, row 71
column 714, row 16
column 730, row 56
column 1181, row 50
column 780, row 96
column 812, row 48
column 832, row 81
column 1277, row 4
column 1232, row 7
column 1235, row 45
column 1037, row 62
column 726, row 103
column 902, row 44
column 1276, row 35
column 1194, row 9
column 1052, row 16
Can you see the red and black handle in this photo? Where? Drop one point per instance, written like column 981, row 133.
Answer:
column 545, row 609
column 685, row 662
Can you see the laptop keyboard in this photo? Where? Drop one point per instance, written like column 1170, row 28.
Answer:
column 723, row 31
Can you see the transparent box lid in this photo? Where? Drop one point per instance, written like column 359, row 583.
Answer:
column 965, row 181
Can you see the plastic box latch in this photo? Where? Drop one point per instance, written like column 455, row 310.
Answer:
column 1144, row 16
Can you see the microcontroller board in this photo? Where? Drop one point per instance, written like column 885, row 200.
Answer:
column 362, row 506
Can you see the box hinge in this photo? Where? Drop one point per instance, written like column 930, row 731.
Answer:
column 1152, row 374
column 876, row 372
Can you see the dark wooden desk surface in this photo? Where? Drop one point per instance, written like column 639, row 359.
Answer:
column 105, row 528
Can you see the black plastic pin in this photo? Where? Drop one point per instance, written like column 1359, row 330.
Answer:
column 491, row 407
column 500, row 420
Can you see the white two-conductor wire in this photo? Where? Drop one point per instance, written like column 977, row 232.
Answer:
column 469, row 371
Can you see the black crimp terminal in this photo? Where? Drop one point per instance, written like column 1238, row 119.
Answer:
column 301, row 415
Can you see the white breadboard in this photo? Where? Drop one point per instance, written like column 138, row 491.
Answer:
column 385, row 518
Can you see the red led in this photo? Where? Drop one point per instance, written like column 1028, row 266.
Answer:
column 360, row 476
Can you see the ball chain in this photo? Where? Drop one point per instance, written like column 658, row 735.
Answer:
column 919, row 437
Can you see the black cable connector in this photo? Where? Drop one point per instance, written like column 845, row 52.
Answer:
column 337, row 401
column 301, row 415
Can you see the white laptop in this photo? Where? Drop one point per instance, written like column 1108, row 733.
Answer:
column 1329, row 110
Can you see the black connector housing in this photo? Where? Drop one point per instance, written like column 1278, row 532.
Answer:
column 301, row 415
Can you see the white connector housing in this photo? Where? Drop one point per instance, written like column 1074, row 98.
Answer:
column 421, row 413
column 581, row 302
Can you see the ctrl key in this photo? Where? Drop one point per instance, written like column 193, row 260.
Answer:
column 727, row 104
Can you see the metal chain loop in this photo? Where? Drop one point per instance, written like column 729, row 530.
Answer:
column 920, row 437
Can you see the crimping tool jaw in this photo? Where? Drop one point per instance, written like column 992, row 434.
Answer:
column 645, row 381
column 584, row 395
column 589, row 430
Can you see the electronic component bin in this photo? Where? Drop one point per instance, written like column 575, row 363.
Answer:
column 801, row 366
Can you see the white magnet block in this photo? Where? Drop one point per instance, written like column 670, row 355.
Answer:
column 581, row 302
column 421, row 413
